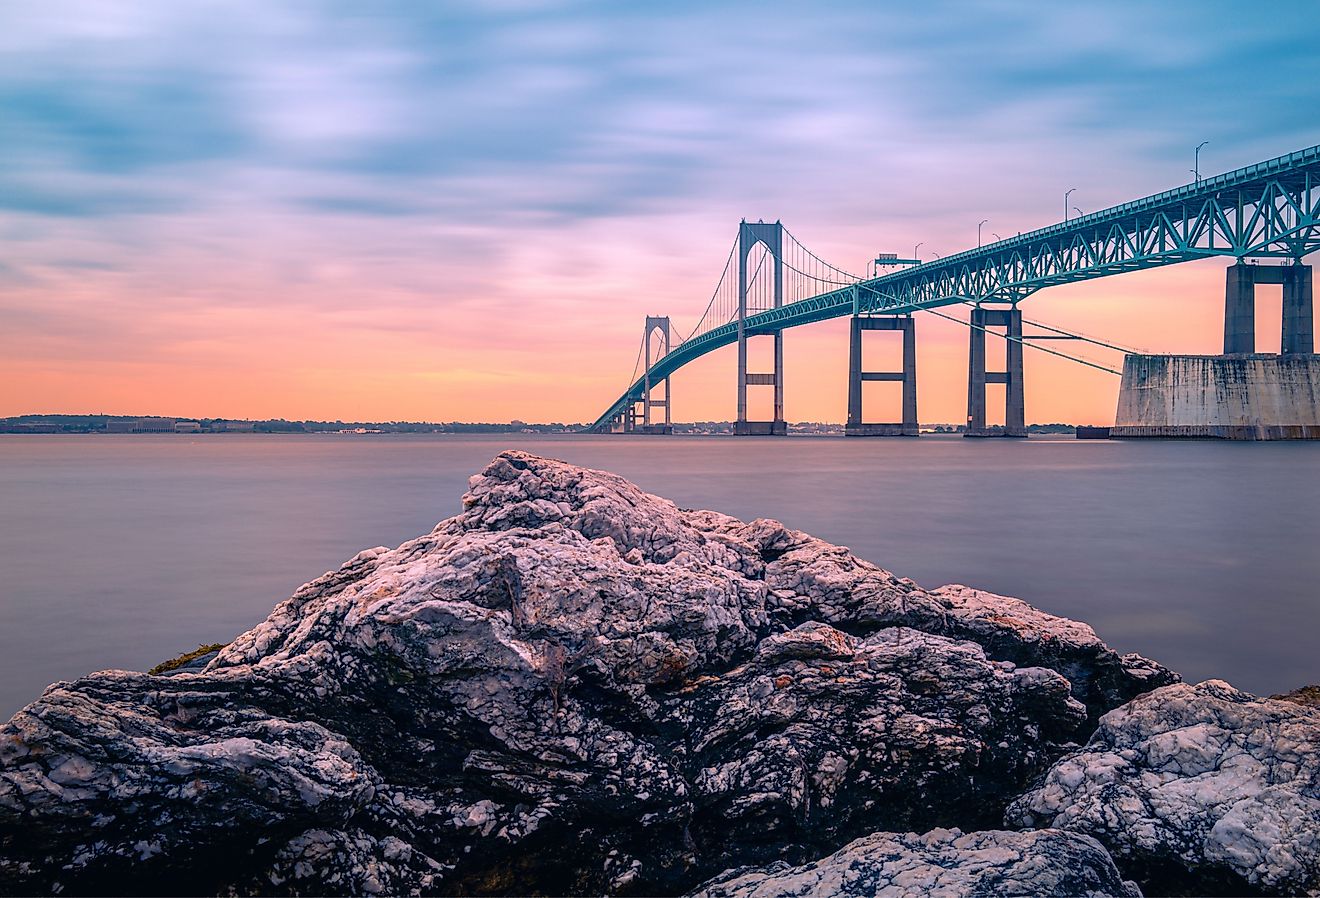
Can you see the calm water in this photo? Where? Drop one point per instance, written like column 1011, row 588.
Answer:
column 121, row 551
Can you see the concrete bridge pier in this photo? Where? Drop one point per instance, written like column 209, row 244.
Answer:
column 977, row 377
column 1242, row 394
column 772, row 235
column 628, row 418
column 1298, row 312
column 856, row 426
column 1240, row 307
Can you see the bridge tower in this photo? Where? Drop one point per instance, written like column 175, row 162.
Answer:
column 657, row 328
column 772, row 235
column 1010, row 320
column 1240, row 307
column 856, row 426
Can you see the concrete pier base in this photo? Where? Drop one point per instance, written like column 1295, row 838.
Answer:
column 877, row 430
column 760, row 428
column 1246, row 396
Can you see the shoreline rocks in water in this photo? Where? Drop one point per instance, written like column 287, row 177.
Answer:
column 1202, row 786
column 573, row 687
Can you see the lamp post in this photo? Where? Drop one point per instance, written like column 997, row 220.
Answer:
column 917, row 247
column 996, row 236
column 1079, row 212
column 1067, row 193
column 1196, row 161
column 978, row 231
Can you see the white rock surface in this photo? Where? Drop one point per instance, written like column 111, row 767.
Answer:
column 943, row 862
column 1204, row 779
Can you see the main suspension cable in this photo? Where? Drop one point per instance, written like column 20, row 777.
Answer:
column 803, row 247
column 818, row 278
column 637, row 364
column 733, row 249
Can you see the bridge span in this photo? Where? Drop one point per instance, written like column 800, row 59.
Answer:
column 771, row 282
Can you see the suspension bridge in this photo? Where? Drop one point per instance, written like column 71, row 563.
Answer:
column 771, row 282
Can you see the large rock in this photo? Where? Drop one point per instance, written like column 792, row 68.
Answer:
column 1197, row 790
column 812, row 579
column 948, row 863
column 572, row 686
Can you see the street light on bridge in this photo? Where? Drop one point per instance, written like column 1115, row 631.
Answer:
column 1196, row 161
column 1079, row 212
column 978, row 231
column 1067, row 193
column 917, row 247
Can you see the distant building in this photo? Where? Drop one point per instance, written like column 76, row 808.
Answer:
column 233, row 426
column 140, row 425
column 39, row 427
column 187, row 427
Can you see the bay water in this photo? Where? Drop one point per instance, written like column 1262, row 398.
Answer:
column 119, row 551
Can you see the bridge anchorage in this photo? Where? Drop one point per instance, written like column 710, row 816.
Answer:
column 1262, row 212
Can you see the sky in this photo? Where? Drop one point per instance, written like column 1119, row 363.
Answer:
column 448, row 211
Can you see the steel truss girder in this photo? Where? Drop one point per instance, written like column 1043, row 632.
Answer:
column 1271, row 209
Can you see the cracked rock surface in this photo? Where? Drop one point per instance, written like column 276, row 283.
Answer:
column 946, row 862
column 570, row 687
column 1196, row 789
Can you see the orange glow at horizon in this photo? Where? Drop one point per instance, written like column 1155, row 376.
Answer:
column 317, row 355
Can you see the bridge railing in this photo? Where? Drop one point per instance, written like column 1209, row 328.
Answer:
column 1241, row 177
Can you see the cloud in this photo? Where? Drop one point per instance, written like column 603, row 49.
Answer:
column 538, row 167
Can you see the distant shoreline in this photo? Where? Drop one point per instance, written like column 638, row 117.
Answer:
column 154, row 424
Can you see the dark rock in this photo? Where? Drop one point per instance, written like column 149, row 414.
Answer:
column 571, row 687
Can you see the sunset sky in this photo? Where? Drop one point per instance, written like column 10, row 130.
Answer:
column 433, row 211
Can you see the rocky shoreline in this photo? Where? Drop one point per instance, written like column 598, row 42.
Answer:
column 574, row 687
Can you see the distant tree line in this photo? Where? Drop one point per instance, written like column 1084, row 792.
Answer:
column 97, row 423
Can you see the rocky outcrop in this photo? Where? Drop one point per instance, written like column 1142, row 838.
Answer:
column 570, row 687
column 1197, row 790
column 813, row 580
column 948, row 863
